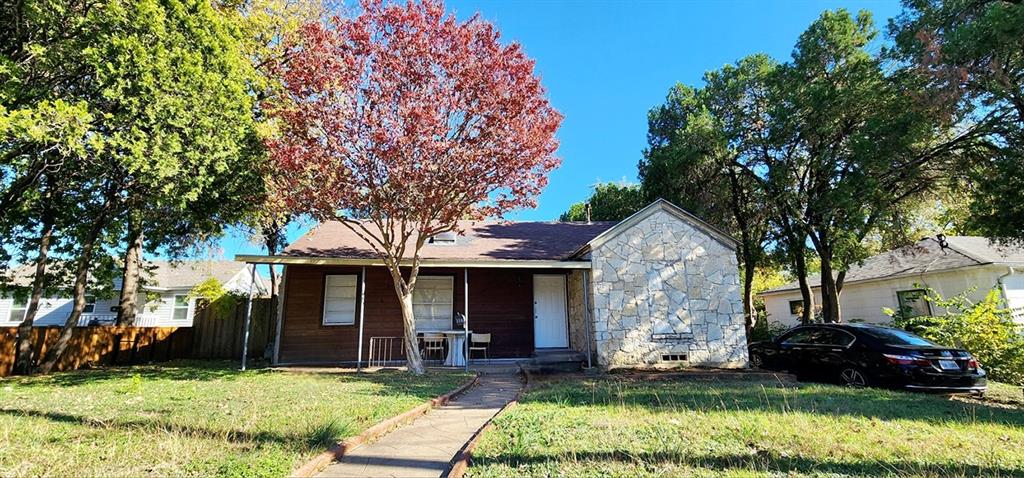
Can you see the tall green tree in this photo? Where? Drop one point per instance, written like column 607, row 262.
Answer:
column 970, row 54
column 700, row 141
column 150, row 118
column 850, row 144
column 608, row 202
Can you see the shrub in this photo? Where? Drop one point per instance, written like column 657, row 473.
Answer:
column 986, row 329
column 764, row 330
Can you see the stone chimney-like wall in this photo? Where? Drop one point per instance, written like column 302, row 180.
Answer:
column 667, row 292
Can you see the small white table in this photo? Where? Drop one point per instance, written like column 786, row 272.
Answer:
column 456, row 347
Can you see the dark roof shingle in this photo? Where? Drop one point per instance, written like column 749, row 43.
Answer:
column 479, row 240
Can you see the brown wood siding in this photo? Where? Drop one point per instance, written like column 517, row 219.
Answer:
column 500, row 303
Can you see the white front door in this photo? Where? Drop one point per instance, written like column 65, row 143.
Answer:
column 550, row 322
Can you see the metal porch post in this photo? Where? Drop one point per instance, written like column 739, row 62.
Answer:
column 280, row 315
column 362, row 309
column 465, row 311
column 248, row 316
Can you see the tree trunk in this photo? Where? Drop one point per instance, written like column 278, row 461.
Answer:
column 412, row 346
column 830, row 310
column 806, row 293
column 748, row 295
column 403, row 289
column 270, row 239
column 128, row 306
column 54, row 353
column 23, row 359
column 81, row 279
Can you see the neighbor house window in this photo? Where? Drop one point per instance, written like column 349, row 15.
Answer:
column 340, row 299
column 18, row 309
column 90, row 304
column 432, row 302
column 180, row 307
column 796, row 307
column 912, row 303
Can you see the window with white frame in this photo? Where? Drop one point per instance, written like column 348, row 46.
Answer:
column 340, row 299
column 913, row 303
column 180, row 307
column 432, row 302
column 18, row 309
column 90, row 304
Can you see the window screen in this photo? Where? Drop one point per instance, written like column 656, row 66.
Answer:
column 796, row 307
column 340, row 300
column 432, row 301
column 180, row 307
column 912, row 303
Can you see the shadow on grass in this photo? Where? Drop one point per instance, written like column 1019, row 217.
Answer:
column 681, row 394
column 319, row 437
column 653, row 461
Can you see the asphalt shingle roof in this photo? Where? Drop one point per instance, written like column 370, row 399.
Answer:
column 480, row 240
column 926, row 256
column 163, row 274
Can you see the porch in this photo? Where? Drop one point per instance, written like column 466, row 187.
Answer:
column 349, row 315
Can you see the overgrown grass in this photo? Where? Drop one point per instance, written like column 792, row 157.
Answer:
column 616, row 426
column 193, row 418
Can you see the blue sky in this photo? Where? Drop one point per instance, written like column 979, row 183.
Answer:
column 605, row 64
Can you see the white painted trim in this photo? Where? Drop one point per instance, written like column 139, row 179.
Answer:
column 659, row 205
column 323, row 312
column 874, row 279
column 453, row 263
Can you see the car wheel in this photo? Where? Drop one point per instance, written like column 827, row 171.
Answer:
column 853, row 377
column 756, row 361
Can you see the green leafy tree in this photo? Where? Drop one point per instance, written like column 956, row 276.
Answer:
column 699, row 143
column 609, row 202
column 969, row 52
column 157, row 118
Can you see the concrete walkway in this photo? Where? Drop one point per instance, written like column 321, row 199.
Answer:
column 426, row 446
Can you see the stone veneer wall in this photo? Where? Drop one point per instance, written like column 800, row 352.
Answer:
column 665, row 286
column 577, row 314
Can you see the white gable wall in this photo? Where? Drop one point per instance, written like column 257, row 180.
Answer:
column 863, row 301
column 665, row 286
column 54, row 311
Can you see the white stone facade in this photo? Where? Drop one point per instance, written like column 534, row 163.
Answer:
column 667, row 286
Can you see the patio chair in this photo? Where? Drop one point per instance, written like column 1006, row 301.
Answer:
column 433, row 343
column 479, row 342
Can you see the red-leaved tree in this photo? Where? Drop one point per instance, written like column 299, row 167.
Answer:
column 401, row 120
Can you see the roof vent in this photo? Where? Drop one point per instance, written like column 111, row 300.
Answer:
column 443, row 239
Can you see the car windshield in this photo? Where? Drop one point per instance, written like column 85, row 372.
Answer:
column 895, row 336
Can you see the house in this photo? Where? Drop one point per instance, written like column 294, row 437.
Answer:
column 164, row 303
column 658, row 287
column 898, row 278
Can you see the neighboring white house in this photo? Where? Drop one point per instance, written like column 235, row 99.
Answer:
column 170, row 281
column 896, row 279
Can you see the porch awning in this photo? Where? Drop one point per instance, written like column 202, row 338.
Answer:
column 473, row 264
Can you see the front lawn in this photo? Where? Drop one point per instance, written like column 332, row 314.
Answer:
column 193, row 418
column 617, row 426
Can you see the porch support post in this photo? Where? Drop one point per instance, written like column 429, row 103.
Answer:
column 465, row 313
column 280, row 315
column 362, row 309
column 586, row 311
column 248, row 316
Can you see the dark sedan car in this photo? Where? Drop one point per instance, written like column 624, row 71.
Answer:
column 862, row 355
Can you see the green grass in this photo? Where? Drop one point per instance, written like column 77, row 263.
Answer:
column 193, row 418
column 617, row 426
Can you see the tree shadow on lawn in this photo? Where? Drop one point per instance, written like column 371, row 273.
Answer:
column 177, row 370
column 319, row 437
column 654, row 462
column 730, row 395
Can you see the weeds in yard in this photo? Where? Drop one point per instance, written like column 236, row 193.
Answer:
column 620, row 427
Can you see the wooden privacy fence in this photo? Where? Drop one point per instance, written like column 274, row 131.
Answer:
column 218, row 329
column 216, row 333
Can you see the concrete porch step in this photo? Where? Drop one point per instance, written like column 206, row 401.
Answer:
column 555, row 361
